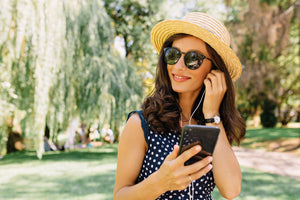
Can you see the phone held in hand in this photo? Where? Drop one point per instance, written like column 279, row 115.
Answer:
column 205, row 136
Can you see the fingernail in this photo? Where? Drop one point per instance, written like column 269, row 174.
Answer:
column 210, row 159
column 197, row 147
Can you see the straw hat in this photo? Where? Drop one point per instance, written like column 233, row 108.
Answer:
column 205, row 27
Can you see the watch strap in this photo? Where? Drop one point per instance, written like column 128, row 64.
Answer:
column 216, row 119
column 210, row 120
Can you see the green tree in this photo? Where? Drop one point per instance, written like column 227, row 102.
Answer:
column 30, row 58
column 58, row 63
column 266, row 37
column 133, row 22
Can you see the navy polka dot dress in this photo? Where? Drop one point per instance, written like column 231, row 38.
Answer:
column 161, row 145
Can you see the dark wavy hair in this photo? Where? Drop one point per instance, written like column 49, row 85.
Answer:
column 162, row 111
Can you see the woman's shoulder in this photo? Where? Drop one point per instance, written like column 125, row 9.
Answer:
column 134, row 120
column 137, row 118
column 134, row 117
column 134, row 124
column 133, row 131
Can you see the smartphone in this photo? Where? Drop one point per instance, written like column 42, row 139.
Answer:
column 205, row 136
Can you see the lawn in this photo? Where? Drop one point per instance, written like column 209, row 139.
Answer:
column 257, row 185
column 267, row 134
column 78, row 174
column 273, row 139
column 90, row 173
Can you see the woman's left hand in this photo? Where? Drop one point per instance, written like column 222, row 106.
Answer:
column 216, row 88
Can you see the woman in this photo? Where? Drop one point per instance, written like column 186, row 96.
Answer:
column 193, row 85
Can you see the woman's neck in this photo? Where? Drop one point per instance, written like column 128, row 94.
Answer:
column 186, row 102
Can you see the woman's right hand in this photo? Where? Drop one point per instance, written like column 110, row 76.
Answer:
column 174, row 175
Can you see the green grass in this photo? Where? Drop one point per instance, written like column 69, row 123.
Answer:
column 78, row 174
column 272, row 133
column 257, row 185
column 263, row 135
column 90, row 174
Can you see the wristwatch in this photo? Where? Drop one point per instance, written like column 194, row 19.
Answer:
column 216, row 119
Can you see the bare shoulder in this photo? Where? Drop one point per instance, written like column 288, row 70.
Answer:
column 133, row 132
column 134, row 119
column 133, row 124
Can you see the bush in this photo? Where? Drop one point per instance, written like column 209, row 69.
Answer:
column 267, row 117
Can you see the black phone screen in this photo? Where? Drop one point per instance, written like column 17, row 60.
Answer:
column 205, row 136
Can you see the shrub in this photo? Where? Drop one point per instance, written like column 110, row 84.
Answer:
column 267, row 117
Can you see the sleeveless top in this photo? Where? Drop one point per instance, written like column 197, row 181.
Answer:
column 161, row 145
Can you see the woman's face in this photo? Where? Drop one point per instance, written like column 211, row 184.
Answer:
column 184, row 80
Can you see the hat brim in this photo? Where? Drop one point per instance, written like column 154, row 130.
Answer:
column 165, row 29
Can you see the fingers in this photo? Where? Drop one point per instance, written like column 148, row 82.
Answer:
column 216, row 88
column 200, row 168
column 186, row 155
column 215, row 80
column 197, row 169
column 175, row 175
column 173, row 155
column 198, row 174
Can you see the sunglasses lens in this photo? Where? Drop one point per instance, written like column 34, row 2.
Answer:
column 193, row 60
column 172, row 55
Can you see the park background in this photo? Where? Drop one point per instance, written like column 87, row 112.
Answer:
column 93, row 62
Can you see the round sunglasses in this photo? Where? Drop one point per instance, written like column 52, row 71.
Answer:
column 192, row 59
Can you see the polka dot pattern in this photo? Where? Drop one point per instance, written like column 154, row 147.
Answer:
column 161, row 145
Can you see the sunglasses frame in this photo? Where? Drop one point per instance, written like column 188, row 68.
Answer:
column 185, row 53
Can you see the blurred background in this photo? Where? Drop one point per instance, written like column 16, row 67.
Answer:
column 71, row 71
column 87, row 63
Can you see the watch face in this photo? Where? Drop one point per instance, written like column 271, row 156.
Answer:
column 217, row 119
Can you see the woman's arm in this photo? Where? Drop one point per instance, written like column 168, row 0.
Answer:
column 172, row 175
column 131, row 152
column 226, row 169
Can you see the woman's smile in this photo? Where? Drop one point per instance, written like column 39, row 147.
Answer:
column 180, row 78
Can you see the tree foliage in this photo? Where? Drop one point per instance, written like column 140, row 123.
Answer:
column 266, row 35
column 133, row 22
column 58, row 63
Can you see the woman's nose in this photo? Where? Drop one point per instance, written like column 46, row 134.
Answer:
column 180, row 65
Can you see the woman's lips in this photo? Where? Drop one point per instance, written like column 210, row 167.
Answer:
column 180, row 78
